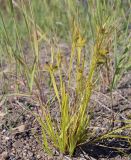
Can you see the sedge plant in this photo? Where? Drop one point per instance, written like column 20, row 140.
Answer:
column 74, row 119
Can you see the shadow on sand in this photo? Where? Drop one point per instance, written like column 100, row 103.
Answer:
column 105, row 149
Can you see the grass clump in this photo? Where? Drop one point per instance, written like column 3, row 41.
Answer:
column 74, row 118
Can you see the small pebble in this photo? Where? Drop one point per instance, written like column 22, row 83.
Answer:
column 24, row 153
column 38, row 156
column 12, row 157
column 30, row 153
